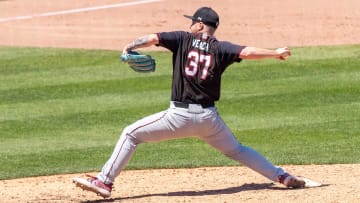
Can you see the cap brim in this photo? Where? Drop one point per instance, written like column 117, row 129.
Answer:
column 190, row 17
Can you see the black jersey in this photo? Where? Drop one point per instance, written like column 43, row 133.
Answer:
column 198, row 63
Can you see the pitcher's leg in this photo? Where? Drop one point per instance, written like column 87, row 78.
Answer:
column 130, row 137
column 256, row 162
column 121, row 155
column 223, row 140
column 165, row 125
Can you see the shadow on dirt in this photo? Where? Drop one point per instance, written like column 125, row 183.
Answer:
column 230, row 190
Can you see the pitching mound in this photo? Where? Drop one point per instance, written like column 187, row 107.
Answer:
column 215, row 184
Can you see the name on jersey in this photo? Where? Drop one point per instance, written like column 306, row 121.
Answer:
column 201, row 45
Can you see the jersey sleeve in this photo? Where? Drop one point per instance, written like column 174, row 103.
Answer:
column 230, row 51
column 170, row 40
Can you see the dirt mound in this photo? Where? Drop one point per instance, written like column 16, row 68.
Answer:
column 215, row 184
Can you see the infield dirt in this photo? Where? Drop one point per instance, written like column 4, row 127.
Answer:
column 270, row 24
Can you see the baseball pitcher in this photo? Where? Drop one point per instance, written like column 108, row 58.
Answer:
column 199, row 60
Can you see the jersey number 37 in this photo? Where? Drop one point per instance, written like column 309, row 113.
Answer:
column 195, row 61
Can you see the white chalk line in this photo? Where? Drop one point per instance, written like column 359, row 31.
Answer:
column 79, row 10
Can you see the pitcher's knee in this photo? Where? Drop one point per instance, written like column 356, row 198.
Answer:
column 132, row 135
column 234, row 153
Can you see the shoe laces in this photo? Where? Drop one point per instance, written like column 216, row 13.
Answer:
column 91, row 178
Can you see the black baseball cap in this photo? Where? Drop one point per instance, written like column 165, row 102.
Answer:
column 206, row 15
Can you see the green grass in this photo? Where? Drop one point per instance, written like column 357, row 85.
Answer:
column 62, row 110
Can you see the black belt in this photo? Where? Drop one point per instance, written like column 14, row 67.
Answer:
column 186, row 105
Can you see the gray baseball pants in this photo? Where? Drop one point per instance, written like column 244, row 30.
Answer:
column 174, row 123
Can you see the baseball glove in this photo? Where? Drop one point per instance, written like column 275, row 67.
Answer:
column 139, row 62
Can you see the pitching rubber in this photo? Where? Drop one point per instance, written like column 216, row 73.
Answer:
column 311, row 183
